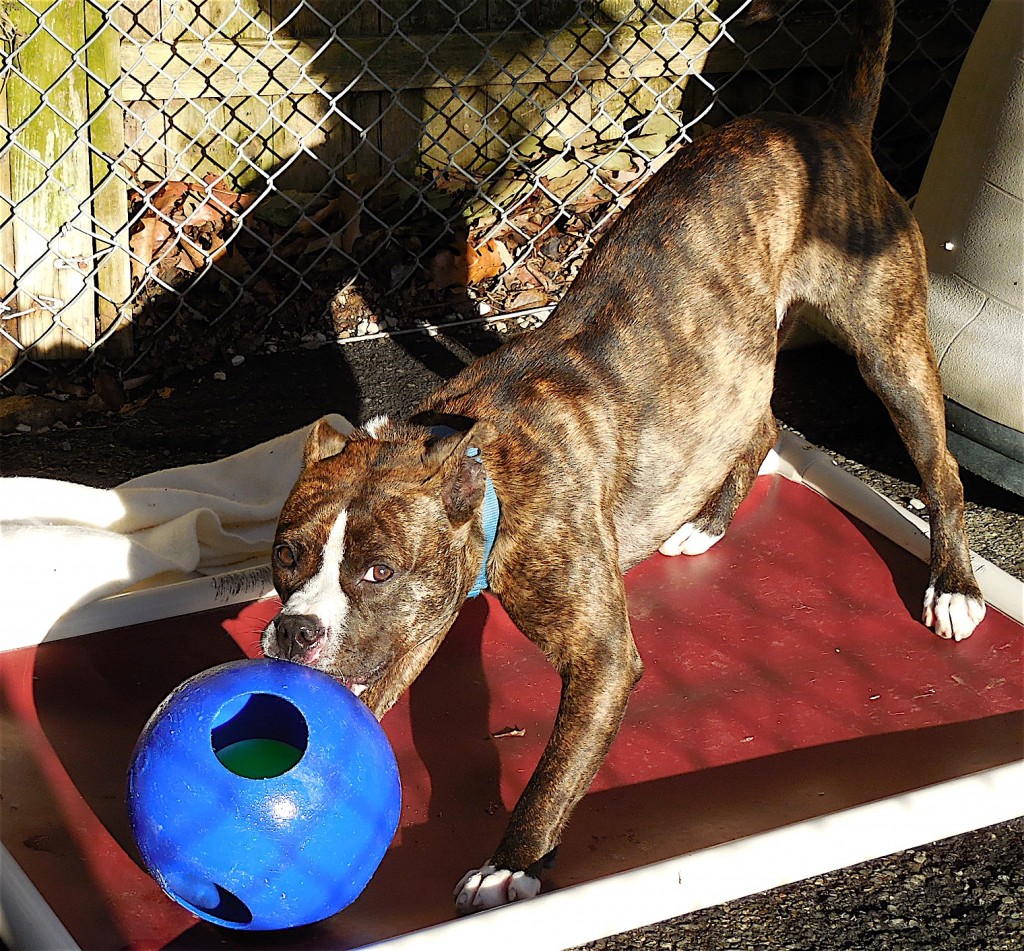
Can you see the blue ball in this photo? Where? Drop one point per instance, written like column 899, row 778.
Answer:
column 263, row 795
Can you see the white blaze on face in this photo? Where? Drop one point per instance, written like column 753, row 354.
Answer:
column 321, row 596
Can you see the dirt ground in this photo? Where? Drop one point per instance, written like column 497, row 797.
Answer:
column 965, row 893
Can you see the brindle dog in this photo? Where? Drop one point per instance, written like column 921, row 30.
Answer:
column 634, row 419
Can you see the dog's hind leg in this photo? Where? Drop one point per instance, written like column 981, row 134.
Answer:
column 898, row 363
column 709, row 525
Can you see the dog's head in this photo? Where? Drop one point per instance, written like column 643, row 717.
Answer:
column 377, row 547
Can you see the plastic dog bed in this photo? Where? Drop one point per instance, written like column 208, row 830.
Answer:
column 794, row 718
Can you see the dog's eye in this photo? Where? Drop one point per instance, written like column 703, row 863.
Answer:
column 285, row 556
column 376, row 574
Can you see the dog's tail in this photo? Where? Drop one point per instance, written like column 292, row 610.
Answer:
column 855, row 99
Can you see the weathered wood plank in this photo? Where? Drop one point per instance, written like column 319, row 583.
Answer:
column 409, row 116
column 145, row 129
column 109, row 192
column 318, row 18
column 454, row 129
column 8, row 304
column 229, row 20
column 195, row 70
column 629, row 50
column 358, row 113
column 654, row 10
column 232, row 140
column 139, row 20
column 50, row 181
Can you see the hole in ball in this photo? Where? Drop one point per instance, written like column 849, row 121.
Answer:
column 228, row 908
column 259, row 735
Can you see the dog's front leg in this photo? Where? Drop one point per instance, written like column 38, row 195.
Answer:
column 591, row 646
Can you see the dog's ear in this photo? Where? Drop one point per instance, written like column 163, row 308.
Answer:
column 458, row 469
column 323, row 441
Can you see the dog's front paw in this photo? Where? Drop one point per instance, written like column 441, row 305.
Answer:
column 688, row 540
column 489, row 887
column 952, row 616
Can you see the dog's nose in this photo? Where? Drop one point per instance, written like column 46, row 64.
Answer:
column 296, row 634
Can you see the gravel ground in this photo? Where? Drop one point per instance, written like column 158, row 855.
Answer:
column 963, row 893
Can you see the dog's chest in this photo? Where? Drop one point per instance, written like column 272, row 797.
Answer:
column 660, row 495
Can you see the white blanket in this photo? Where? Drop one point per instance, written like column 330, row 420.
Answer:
column 63, row 545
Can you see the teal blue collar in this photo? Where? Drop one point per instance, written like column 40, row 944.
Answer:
column 491, row 515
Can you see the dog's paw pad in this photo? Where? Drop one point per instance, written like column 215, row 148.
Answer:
column 489, row 887
column 688, row 540
column 952, row 616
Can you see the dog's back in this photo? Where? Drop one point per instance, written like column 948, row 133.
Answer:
column 655, row 372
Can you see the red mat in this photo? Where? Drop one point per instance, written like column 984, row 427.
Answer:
column 786, row 677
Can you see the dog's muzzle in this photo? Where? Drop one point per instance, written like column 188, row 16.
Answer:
column 298, row 637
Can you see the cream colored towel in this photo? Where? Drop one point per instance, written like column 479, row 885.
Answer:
column 64, row 545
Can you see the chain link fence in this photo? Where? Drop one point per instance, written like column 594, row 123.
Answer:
column 189, row 180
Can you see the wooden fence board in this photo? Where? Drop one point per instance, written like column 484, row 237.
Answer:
column 145, row 140
column 50, row 180
column 190, row 69
column 409, row 120
column 138, row 22
column 8, row 302
column 109, row 192
column 230, row 20
column 317, row 18
column 359, row 111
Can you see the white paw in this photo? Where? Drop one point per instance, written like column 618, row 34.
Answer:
column 952, row 615
column 688, row 540
column 489, row 887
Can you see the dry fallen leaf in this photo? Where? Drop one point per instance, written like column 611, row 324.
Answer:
column 447, row 269
column 196, row 256
column 485, row 261
column 151, row 234
column 527, row 299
